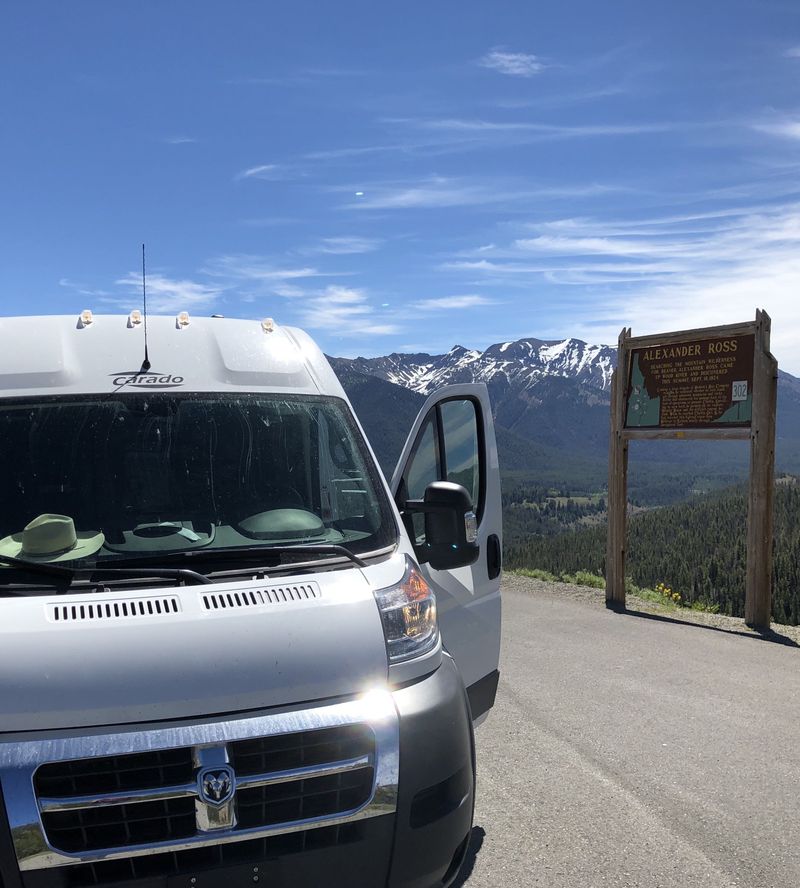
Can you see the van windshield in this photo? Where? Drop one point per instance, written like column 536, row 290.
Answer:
column 143, row 474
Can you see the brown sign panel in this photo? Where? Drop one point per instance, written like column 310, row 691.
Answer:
column 697, row 384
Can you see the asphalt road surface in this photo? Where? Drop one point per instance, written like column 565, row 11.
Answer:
column 629, row 750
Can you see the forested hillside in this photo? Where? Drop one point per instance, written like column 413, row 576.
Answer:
column 698, row 548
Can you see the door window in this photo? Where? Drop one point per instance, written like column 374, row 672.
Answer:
column 424, row 465
column 460, row 428
column 447, row 449
column 422, row 469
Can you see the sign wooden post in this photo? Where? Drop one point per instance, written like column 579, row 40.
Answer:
column 758, row 597
column 712, row 383
column 617, row 482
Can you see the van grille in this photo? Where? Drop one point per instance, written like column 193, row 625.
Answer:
column 96, row 809
column 163, row 767
column 152, row 797
column 203, row 860
column 120, row 826
column 319, row 797
column 285, row 751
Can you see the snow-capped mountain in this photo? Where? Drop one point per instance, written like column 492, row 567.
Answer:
column 547, row 394
column 522, row 363
column 553, row 393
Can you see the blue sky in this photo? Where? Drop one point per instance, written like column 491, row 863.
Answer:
column 406, row 177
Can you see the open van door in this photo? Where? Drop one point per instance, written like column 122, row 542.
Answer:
column 453, row 440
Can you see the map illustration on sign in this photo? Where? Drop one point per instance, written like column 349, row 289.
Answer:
column 642, row 409
column 704, row 383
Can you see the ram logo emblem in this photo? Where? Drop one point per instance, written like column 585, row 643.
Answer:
column 216, row 785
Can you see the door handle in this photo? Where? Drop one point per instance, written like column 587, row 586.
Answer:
column 494, row 556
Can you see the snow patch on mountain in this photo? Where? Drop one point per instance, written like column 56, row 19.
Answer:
column 518, row 364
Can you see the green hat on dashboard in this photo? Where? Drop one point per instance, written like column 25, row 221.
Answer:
column 51, row 538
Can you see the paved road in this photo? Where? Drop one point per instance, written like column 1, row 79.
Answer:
column 631, row 751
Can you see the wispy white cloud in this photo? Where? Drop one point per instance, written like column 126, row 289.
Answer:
column 252, row 278
column 347, row 245
column 288, row 291
column 601, row 246
column 515, row 64
column 345, row 311
column 510, row 273
column 793, row 52
column 238, row 267
column 789, row 129
column 450, row 303
column 474, row 125
column 430, row 193
column 269, row 172
column 353, row 151
column 715, row 296
column 699, row 268
column 560, row 99
column 180, row 140
column 686, row 223
column 431, row 136
column 441, row 191
column 542, row 130
column 731, row 241
column 502, row 271
column 81, row 289
column 165, row 294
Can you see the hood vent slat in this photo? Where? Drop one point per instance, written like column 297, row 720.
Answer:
column 169, row 605
column 120, row 609
column 243, row 598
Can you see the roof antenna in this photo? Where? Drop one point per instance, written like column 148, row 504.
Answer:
column 146, row 361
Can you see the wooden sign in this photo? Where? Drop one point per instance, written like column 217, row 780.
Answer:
column 718, row 382
column 697, row 384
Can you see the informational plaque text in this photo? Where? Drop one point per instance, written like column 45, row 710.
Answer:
column 698, row 384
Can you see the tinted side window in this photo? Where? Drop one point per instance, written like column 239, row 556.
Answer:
column 460, row 428
column 424, row 465
column 422, row 469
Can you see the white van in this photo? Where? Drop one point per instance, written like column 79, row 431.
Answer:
column 230, row 652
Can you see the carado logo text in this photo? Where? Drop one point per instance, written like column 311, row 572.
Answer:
column 147, row 380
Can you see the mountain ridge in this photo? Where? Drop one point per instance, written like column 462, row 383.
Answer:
column 525, row 360
column 554, row 394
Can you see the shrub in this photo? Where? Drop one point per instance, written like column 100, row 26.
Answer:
column 585, row 578
column 536, row 574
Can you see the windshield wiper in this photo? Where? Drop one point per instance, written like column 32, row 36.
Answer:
column 248, row 553
column 159, row 573
column 68, row 574
column 36, row 567
column 127, row 567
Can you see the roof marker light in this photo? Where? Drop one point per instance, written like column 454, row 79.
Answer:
column 86, row 318
column 134, row 318
column 182, row 320
column 268, row 325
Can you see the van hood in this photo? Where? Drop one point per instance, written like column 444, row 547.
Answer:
column 85, row 660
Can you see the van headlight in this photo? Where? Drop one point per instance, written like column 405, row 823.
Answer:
column 408, row 614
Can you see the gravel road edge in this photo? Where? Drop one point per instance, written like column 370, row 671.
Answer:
column 780, row 633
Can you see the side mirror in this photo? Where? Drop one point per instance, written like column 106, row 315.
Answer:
column 451, row 528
